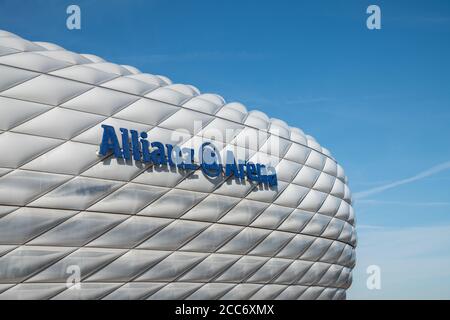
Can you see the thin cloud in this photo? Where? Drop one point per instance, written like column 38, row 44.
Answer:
column 414, row 262
column 403, row 203
column 302, row 100
column 422, row 175
column 198, row 56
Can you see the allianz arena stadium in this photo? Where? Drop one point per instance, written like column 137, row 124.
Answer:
column 117, row 184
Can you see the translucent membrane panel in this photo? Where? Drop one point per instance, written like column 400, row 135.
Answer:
column 33, row 291
column 25, row 223
column 296, row 246
column 167, row 95
column 161, row 176
column 94, row 134
column 221, row 130
column 88, row 260
column 129, row 85
column 187, row 121
column 128, row 266
column 272, row 217
column 250, row 138
column 112, row 101
column 211, row 208
column 295, row 270
column 297, row 153
column 172, row 267
column 166, row 136
column 242, row 269
column 266, row 193
column 26, row 261
column 79, row 193
column 316, row 160
column 67, row 158
column 10, row 40
column 271, row 269
column 33, row 61
column 176, row 291
column 330, row 277
column 276, row 146
column 330, row 206
column 242, row 292
column 236, row 114
column 134, row 291
column 312, row 201
column 79, row 229
column 173, row 204
column 84, row 74
column 202, row 105
column 13, row 76
column 244, row 212
column 235, row 187
column 291, row 196
column 59, row 123
column 47, row 90
column 212, row 238
column 317, row 249
column 325, row 182
column 200, row 182
column 87, row 291
column 314, row 274
column 334, row 252
column 210, row 267
column 22, row 148
column 174, row 235
column 147, row 111
column 115, row 169
column 296, row 221
column 291, row 293
column 20, row 187
column 211, row 291
column 287, row 170
column 130, row 199
column 5, row 50
column 272, row 243
column 268, row 292
column 130, row 232
column 244, row 241
column 13, row 112
column 317, row 225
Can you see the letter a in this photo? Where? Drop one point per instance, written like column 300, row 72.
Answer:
column 110, row 142
column 74, row 20
column 374, row 20
column 374, row 280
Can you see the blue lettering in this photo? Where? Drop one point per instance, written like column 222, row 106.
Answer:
column 110, row 142
column 125, row 144
column 158, row 155
column 252, row 174
column 135, row 145
column 140, row 149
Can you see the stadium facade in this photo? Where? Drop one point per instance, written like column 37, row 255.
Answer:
column 117, row 184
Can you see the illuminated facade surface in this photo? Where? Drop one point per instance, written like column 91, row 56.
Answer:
column 130, row 229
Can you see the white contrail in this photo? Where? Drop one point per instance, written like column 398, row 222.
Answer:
column 419, row 176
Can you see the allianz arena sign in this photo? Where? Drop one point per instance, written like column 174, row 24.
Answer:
column 156, row 153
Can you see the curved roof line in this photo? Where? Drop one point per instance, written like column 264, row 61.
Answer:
column 207, row 102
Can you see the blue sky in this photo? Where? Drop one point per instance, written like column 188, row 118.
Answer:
column 379, row 100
